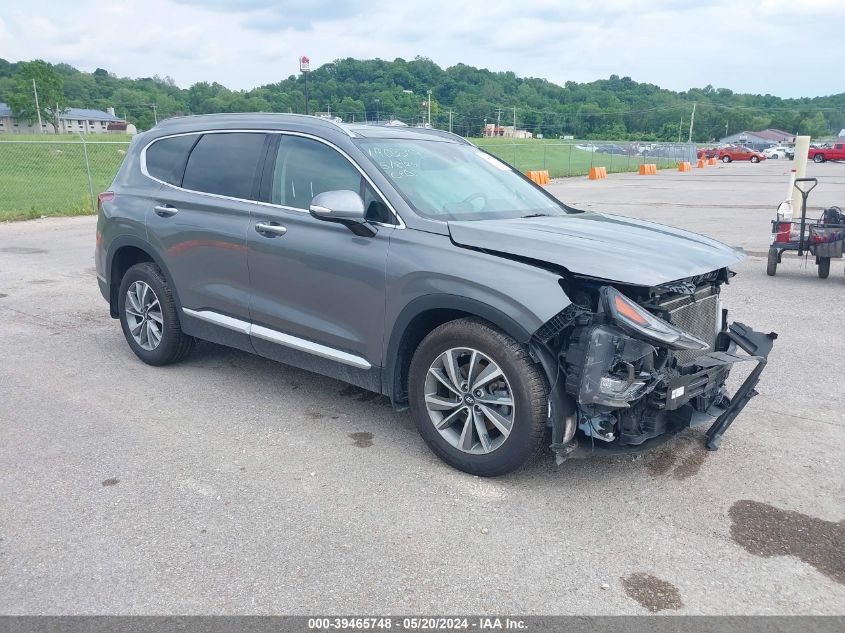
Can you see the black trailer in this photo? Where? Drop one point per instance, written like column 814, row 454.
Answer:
column 822, row 237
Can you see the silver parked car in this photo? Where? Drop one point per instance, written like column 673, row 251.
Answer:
column 413, row 264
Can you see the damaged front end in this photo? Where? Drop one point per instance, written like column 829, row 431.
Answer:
column 630, row 369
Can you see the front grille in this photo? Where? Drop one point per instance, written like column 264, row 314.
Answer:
column 696, row 315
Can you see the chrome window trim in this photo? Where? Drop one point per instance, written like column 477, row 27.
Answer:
column 280, row 338
column 399, row 225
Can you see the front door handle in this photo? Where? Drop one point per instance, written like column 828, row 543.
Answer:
column 165, row 210
column 270, row 229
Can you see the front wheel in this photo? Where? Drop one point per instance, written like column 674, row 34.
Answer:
column 478, row 399
column 726, row 159
column 824, row 267
column 149, row 318
column 818, row 158
column 772, row 263
column 755, row 159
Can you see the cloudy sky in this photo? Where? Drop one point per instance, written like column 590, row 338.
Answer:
column 788, row 48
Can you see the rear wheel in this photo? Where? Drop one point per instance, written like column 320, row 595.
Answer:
column 478, row 399
column 824, row 267
column 726, row 159
column 772, row 263
column 149, row 318
column 818, row 158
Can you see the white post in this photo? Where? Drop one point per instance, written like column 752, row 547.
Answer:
column 37, row 107
column 799, row 164
column 429, row 108
column 450, row 121
column 691, row 122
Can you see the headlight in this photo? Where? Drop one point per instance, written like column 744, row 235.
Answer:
column 639, row 322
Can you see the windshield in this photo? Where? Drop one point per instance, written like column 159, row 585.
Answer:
column 451, row 181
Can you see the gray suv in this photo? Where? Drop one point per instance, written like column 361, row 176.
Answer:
column 411, row 263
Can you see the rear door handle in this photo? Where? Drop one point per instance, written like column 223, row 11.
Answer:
column 270, row 229
column 165, row 210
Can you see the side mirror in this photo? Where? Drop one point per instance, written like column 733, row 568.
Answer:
column 343, row 207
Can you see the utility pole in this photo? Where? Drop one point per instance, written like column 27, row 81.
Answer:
column 680, row 127
column 514, row 123
column 37, row 107
column 155, row 113
column 450, row 121
column 498, row 120
column 429, row 108
column 691, row 122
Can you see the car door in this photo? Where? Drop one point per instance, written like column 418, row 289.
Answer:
column 839, row 151
column 201, row 217
column 317, row 288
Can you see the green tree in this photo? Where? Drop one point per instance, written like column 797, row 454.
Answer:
column 814, row 126
column 51, row 96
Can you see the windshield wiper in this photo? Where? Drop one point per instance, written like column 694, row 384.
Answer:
column 535, row 215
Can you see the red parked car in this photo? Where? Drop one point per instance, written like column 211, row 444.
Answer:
column 708, row 152
column 738, row 152
column 821, row 154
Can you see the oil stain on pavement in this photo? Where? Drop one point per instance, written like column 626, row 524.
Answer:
column 662, row 460
column 653, row 593
column 362, row 439
column 767, row 531
column 112, row 481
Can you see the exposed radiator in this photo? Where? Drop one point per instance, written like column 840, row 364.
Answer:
column 697, row 315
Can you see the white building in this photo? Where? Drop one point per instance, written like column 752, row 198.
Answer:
column 71, row 121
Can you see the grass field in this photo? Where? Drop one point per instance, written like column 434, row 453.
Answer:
column 49, row 177
column 563, row 159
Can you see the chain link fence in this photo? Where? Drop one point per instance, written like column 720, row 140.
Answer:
column 61, row 176
column 575, row 158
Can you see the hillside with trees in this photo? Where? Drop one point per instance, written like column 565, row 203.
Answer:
column 617, row 108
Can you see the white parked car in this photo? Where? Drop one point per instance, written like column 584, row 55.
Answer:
column 778, row 151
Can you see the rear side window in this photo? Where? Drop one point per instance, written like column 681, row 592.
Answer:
column 225, row 164
column 166, row 158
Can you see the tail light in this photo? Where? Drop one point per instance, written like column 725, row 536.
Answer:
column 783, row 231
column 106, row 196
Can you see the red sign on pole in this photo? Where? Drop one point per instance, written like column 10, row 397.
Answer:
column 304, row 64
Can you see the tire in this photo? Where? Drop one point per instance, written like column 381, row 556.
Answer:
column 818, row 158
column 524, row 380
column 173, row 345
column 772, row 263
column 726, row 159
column 823, row 267
column 755, row 159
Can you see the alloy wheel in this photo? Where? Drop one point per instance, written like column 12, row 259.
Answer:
column 143, row 315
column 469, row 400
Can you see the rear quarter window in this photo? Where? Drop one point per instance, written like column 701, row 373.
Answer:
column 166, row 158
column 225, row 164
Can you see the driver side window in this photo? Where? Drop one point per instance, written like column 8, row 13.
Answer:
column 305, row 167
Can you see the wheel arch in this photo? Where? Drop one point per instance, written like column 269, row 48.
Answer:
column 125, row 252
column 420, row 317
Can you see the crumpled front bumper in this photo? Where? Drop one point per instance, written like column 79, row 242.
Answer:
column 757, row 346
column 712, row 370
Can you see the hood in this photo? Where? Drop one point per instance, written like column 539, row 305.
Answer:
column 602, row 246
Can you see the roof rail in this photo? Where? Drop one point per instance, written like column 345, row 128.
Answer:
column 310, row 117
